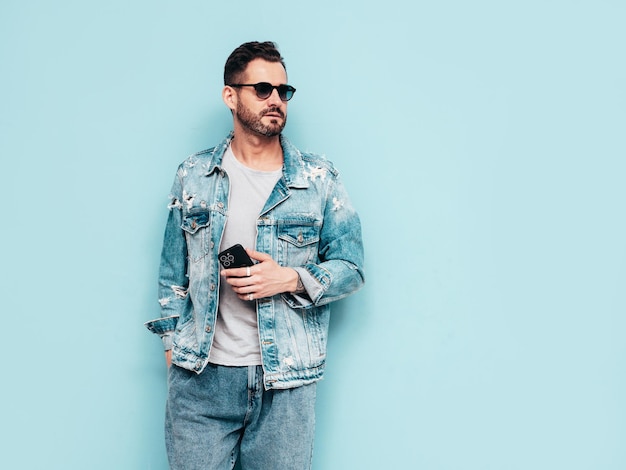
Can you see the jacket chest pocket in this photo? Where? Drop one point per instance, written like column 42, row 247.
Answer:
column 196, row 226
column 298, row 242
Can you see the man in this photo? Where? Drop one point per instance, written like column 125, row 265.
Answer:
column 245, row 346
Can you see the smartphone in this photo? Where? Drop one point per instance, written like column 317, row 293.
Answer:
column 235, row 257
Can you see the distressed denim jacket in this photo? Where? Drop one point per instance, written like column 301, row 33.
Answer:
column 307, row 223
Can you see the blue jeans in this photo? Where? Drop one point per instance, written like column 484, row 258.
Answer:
column 223, row 414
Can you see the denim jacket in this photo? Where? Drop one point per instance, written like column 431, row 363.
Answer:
column 307, row 223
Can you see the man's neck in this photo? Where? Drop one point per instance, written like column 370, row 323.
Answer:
column 258, row 152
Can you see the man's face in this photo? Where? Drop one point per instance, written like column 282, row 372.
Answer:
column 266, row 117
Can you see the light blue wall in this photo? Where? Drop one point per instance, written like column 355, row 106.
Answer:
column 483, row 143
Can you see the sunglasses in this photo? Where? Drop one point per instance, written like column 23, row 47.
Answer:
column 264, row 90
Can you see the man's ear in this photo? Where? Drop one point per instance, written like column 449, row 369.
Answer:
column 230, row 97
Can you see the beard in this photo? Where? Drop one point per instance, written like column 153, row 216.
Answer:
column 253, row 123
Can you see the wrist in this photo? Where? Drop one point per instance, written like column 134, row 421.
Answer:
column 299, row 285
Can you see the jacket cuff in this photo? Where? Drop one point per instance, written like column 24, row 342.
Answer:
column 311, row 289
column 164, row 327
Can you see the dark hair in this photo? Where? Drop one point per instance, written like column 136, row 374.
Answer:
column 246, row 53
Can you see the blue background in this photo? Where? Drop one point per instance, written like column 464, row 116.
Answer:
column 483, row 144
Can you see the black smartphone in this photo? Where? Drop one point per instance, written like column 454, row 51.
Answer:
column 234, row 257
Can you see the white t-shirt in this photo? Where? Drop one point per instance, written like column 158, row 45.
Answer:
column 236, row 336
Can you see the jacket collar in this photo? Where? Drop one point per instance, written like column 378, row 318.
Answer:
column 293, row 163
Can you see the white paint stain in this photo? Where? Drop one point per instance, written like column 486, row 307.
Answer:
column 179, row 292
column 314, row 173
column 188, row 198
column 337, row 204
column 174, row 204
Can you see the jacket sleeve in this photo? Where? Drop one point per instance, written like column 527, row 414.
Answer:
column 173, row 281
column 339, row 272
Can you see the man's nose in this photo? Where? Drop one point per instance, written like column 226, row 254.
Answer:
column 274, row 98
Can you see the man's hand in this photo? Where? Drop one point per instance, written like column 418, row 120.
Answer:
column 264, row 279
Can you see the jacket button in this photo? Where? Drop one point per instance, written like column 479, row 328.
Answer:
column 208, row 329
column 212, row 287
column 220, row 205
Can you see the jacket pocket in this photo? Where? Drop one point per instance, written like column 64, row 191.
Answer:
column 299, row 239
column 196, row 226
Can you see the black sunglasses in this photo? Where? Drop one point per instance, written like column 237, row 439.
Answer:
column 264, row 90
